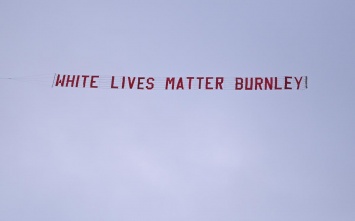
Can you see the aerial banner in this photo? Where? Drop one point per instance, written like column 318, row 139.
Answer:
column 180, row 83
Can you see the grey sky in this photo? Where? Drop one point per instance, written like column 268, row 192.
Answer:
column 85, row 154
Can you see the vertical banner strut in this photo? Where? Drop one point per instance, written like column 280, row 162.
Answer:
column 54, row 79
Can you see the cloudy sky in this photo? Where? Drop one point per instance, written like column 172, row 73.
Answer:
column 96, row 154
